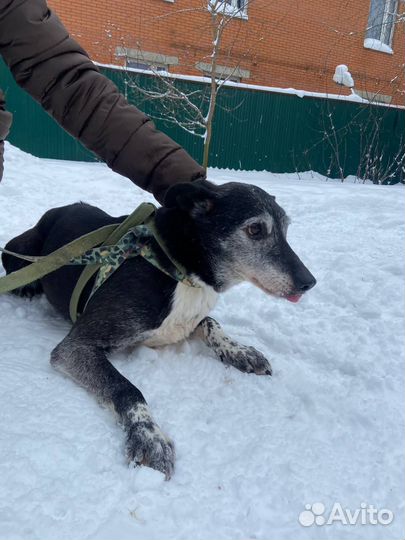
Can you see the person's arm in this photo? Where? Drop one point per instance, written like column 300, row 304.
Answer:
column 57, row 72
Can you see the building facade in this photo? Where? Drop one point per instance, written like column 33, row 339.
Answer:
column 281, row 44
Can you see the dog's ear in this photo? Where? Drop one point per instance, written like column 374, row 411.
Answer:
column 197, row 198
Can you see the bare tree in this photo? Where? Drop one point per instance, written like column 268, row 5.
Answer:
column 193, row 110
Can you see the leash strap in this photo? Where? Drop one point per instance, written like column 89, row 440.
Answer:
column 44, row 265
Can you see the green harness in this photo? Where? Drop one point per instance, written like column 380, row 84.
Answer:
column 116, row 243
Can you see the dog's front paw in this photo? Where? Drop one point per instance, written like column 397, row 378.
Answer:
column 148, row 445
column 246, row 359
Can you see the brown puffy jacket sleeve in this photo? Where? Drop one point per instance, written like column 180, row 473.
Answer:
column 57, row 72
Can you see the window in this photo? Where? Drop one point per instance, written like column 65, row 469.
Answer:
column 230, row 7
column 144, row 66
column 224, row 73
column 380, row 26
column 374, row 97
column 146, row 60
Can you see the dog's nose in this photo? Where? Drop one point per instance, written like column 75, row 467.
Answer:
column 304, row 286
column 302, row 278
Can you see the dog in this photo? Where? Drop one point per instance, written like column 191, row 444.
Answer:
column 222, row 235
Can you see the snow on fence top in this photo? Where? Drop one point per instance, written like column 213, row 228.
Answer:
column 353, row 97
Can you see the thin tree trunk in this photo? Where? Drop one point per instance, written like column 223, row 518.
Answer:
column 217, row 27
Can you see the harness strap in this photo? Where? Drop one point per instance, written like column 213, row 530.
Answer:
column 43, row 265
column 179, row 268
column 140, row 215
column 116, row 243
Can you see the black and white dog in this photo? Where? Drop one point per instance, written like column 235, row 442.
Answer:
column 222, row 235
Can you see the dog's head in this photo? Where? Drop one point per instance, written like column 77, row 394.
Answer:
column 242, row 232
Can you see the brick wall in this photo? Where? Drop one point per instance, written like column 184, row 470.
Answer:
column 282, row 43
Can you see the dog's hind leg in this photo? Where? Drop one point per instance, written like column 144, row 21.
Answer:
column 244, row 358
column 29, row 243
column 88, row 365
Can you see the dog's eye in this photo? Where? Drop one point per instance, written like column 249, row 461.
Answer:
column 256, row 230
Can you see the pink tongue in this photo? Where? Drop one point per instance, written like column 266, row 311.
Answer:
column 294, row 298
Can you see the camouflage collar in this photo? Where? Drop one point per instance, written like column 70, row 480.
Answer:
column 138, row 241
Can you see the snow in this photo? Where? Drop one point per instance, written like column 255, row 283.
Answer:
column 377, row 45
column 278, row 90
column 343, row 76
column 251, row 451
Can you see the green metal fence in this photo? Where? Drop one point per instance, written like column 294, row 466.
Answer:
column 253, row 130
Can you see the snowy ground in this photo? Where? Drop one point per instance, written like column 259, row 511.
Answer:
column 251, row 451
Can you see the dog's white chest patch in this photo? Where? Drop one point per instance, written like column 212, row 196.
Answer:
column 189, row 306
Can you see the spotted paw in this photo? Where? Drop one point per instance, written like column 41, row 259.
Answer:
column 246, row 359
column 148, row 445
